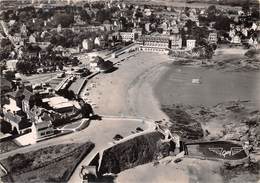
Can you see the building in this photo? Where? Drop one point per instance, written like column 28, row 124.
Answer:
column 13, row 113
column 147, row 27
column 11, row 65
column 236, row 40
column 42, row 123
column 128, row 36
column 191, row 43
column 213, row 37
column 99, row 42
column 19, row 123
column 28, row 101
column 154, row 44
column 176, row 41
column 88, row 44
column 59, row 104
column 138, row 31
column 108, row 25
column 6, row 86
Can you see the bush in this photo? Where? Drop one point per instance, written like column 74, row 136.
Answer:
column 251, row 53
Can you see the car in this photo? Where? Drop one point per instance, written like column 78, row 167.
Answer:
column 177, row 160
column 118, row 137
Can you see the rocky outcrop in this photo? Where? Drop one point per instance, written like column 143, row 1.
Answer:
column 183, row 123
column 134, row 152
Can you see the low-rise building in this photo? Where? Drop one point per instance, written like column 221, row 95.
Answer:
column 41, row 123
column 235, row 40
column 88, row 44
column 191, row 43
column 128, row 36
column 59, row 104
column 176, row 41
column 213, row 37
column 11, row 65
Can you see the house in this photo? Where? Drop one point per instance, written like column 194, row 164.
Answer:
column 128, row 36
column 32, row 39
column 23, row 30
column 191, row 43
column 15, row 102
column 147, row 12
column 88, row 44
column 138, row 31
column 108, row 25
column 235, row 40
column 42, row 123
column 99, row 41
column 213, row 37
column 147, row 27
column 11, row 65
column 28, row 101
column 19, row 123
column 176, row 41
column 6, row 86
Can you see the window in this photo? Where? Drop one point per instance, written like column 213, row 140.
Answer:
column 43, row 133
column 40, row 129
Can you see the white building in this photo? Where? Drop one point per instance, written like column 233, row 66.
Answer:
column 147, row 27
column 128, row 36
column 191, row 43
column 138, row 31
column 236, row 40
column 99, row 41
column 213, row 37
column 176, row 41
column 11, row 65
column 32, row 39
column 42, row 128
column 88, row 44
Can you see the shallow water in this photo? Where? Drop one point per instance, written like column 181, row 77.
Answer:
column 175, row 86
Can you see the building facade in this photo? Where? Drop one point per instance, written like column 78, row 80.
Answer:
column 191, row 43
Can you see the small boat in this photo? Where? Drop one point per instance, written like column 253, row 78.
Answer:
column 196, row 81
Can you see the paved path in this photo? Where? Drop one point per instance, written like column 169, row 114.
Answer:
column 107, row 127
column 101, row 147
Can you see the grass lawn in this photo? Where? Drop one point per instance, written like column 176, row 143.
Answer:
column 8, row 145
column 50, row 164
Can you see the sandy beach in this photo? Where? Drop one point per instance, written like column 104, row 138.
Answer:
column 128, row 91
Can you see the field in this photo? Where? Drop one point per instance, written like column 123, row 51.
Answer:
column 50, row 164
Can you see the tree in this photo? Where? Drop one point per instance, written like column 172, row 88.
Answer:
column 190, row 24
column 212, row 11
column 10, row 75
column 65, row 20
column 223, row 23
column 255, row 13
column 246, row 7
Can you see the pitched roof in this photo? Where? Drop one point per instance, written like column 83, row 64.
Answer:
column 27, row 95
column 16, row 94
column 14, row 118
column 5, row 83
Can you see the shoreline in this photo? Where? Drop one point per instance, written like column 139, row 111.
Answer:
column 129, row 91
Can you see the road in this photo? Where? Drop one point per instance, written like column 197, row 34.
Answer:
column 107, row 127
column 101, row 147
column 40, row 78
